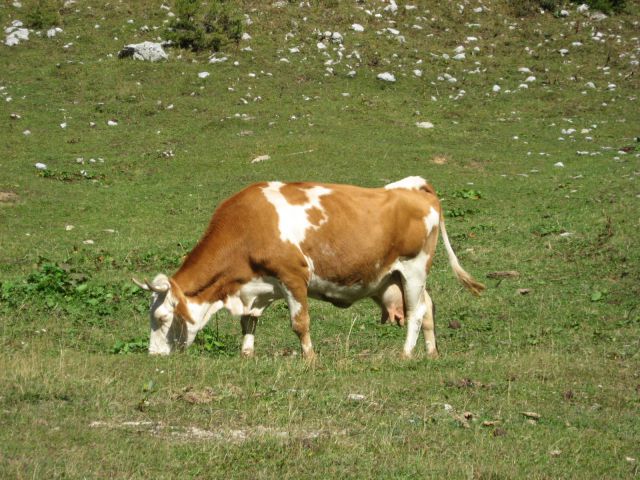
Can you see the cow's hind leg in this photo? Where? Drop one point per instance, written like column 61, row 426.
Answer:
column 428, row 326
column 248, row 324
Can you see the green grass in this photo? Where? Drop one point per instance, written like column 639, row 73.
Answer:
column 74, row 373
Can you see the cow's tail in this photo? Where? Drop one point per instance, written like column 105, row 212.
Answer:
column 463, row 277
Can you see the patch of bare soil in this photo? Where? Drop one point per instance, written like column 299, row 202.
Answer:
column 192, row 433
column 8, row 197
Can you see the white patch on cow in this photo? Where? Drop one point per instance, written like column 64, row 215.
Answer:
column 257, row 294
column 294, row 305
column 293, row 220
column 431, row 221
column 409, row 183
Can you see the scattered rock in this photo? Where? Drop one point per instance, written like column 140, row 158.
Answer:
column 261, row 158
column 424, row 125
column 15, row 34
column 524, row 291
column 356, row 397
column 356, row 27
column 148, row 51
column 203, row 74
column 41, row 166
column 555, row 453
column 532, row 415
column 387, row 77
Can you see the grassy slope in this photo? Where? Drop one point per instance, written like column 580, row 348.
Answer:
column 568, row 350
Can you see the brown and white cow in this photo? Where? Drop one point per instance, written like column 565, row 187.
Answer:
column 338, row 243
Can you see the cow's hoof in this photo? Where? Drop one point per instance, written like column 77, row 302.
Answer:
column 247, row 353
column 433, row 355
column 405, row 356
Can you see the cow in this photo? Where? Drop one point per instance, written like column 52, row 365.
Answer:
column 295, row 241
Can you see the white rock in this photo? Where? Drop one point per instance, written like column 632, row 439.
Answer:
column 478, row 10
column 496, row 88
column 582, row 8
column 417, row 72
column 459, row 49
column 52, row 32
column 387, row 77
column 523, row 86
column 336, row 37
column 524, row 70
column 215, row 59
column 558, row 165
column 321, row 46
column 590, row 85
column 15, row 34
column 351, row 74
column 26, row 132
column 564, row 13
column 356, row 397
column 203, row 74
column 392, row 7
column 424, row 125
column 393, row 31
column 112, row 123
column 294, row 50
column 261, row 158
column 356, row 27
column 41, row 166
column 246, row 36
column 563, row 51
column 472, row 39
column 147, row 51
column 459, row 56
column 68, row 228
column 530, row 79
column 63, row 125
column 88, row 242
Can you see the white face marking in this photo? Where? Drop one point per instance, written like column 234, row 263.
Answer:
column 409, row 183
column 293, row 221
column 431, row 221
column 168, row 331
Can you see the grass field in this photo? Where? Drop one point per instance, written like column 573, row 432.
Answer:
column 538, row 378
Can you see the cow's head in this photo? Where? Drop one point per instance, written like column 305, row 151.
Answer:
column 171, row 324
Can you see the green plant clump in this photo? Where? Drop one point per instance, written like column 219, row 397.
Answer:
column 199, row 27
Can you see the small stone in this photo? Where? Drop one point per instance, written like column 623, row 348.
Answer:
column 203, row 74
column 387, row 77
column 356, row 27
column 558, row 165
column 424, row 125
column 261, row 158
column 356, row 397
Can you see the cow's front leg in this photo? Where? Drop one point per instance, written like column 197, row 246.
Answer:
column 300, row 322
column 248, row 324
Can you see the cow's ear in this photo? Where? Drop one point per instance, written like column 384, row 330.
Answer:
column 181, row 305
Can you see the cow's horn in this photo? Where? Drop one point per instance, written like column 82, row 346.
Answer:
column 144, row 286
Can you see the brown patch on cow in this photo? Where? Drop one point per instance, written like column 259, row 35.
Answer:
column 316, row 216
column 440, row 159
column 294, row 194
column 8, row 197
